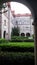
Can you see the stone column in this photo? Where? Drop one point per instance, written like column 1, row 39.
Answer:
column 35, row 39
column 0, row 24
column 8, row 23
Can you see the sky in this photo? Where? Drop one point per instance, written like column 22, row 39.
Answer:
column 19, row 8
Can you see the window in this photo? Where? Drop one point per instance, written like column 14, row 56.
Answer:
column 22, row 34
column 4, row 34
column 4, row 22
column 28, row 34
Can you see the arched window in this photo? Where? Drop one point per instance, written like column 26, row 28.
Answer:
column 28, row 34
column 4, row 34
column 22, row 34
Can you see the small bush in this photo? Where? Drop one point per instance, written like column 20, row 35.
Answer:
column 3, row 41
column 33, row 36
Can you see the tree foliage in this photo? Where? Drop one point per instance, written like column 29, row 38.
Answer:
column 3, row 6
column 15, row 31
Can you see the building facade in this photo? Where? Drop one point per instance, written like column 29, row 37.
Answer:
column 8, row 20
column 24, row 22
column 6, row 24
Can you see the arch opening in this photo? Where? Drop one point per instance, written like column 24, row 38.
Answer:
column 22, row 19
column 22, row 23
column 22, row 34
column 28, row 34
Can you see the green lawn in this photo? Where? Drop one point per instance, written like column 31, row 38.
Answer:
column 18, row 44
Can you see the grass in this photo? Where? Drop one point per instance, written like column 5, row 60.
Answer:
column 18, row 44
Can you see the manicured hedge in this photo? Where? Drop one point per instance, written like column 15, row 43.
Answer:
column 27, row 40
column 17, row 49
column 21, row 39
column 17, row 58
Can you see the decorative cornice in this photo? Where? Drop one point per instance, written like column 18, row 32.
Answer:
column 20, row 15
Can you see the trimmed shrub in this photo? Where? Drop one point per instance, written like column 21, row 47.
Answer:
column 21, row 39
column 16, row 49
column 17, row 58
column 33, row 36
column 3, row 41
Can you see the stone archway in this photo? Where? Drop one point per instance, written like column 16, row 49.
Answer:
column 4, row 34
column 33, row 5
column 22, row 34
column 28, row 34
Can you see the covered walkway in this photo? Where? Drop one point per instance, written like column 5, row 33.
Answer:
column 32, row 5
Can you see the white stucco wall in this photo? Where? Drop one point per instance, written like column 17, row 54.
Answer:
column 4, row 27
column 8, row 27
column 25, row 24
column 11, row 25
